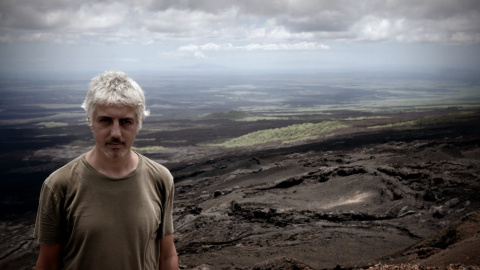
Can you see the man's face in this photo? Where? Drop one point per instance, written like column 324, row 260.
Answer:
column 114, row 129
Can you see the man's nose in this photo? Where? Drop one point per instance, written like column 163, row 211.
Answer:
column 115, row 132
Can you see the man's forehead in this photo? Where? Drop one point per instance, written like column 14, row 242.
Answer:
column 122, row 111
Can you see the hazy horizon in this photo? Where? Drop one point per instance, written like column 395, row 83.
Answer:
column 204, row 92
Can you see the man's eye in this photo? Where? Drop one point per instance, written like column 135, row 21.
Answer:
column 127, row 122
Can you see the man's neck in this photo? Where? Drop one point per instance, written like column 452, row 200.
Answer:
column 112, row 167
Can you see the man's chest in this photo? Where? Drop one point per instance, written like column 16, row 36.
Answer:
column 116, row 209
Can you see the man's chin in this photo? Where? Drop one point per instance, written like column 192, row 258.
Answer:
column 115, row 153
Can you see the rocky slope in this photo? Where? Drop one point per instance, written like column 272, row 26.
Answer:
column 351, row 206
column 357, row 201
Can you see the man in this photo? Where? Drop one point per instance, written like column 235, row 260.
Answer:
column 110, row 208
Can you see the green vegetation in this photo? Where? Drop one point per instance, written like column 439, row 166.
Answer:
column 414, row 124
column 52, row 124
column 174, row 141
column 258, row 118
column 144, row 139
column 239, row 116
column 366, row 118
column 148, row 148
column 287, row 134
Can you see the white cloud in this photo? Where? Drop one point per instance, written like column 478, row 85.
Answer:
column 216, row 47
column 455, row 30
column 199, row 54
column 99, row 15
column 286, row 46
column 176, row 23
column 188, row 48
column 372, row 28
column 38, row 37
column 198, row 51
column 255, row 46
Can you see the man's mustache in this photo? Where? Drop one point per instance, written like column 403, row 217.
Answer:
column 114, row 140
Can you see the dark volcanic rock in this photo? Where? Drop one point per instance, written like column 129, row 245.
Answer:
column 309, row 209
column 457, row 243
column 18, row 249
column 280, row 264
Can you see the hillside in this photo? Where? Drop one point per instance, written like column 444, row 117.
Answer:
column 362, row 198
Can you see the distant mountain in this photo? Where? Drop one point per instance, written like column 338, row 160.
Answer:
column 203, row 67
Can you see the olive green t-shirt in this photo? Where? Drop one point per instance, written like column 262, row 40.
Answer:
column 106, row 223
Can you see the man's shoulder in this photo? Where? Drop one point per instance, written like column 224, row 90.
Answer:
column 64, row 174
column 156, row 168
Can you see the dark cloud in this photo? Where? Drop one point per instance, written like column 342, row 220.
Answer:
column 431, row 10
column 328, row 21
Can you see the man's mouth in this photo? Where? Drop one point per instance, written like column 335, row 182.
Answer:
column 115, row 143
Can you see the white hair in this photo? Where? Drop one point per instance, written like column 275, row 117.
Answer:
column 115, row 88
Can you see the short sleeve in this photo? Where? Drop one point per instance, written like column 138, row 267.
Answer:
column 47, row 225
column 166, row 227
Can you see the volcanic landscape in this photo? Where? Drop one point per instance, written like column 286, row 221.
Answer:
column 336, row 189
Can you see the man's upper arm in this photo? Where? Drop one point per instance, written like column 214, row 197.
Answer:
column 48, row 224
column 49, row 257
column 168, row 253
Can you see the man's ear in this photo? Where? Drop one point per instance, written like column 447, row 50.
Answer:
column 90, row 124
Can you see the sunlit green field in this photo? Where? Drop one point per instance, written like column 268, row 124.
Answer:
column 289, row 134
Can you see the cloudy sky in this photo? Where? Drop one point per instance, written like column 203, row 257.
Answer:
column 155, row 35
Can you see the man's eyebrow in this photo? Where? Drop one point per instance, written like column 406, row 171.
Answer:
column 104, row 117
